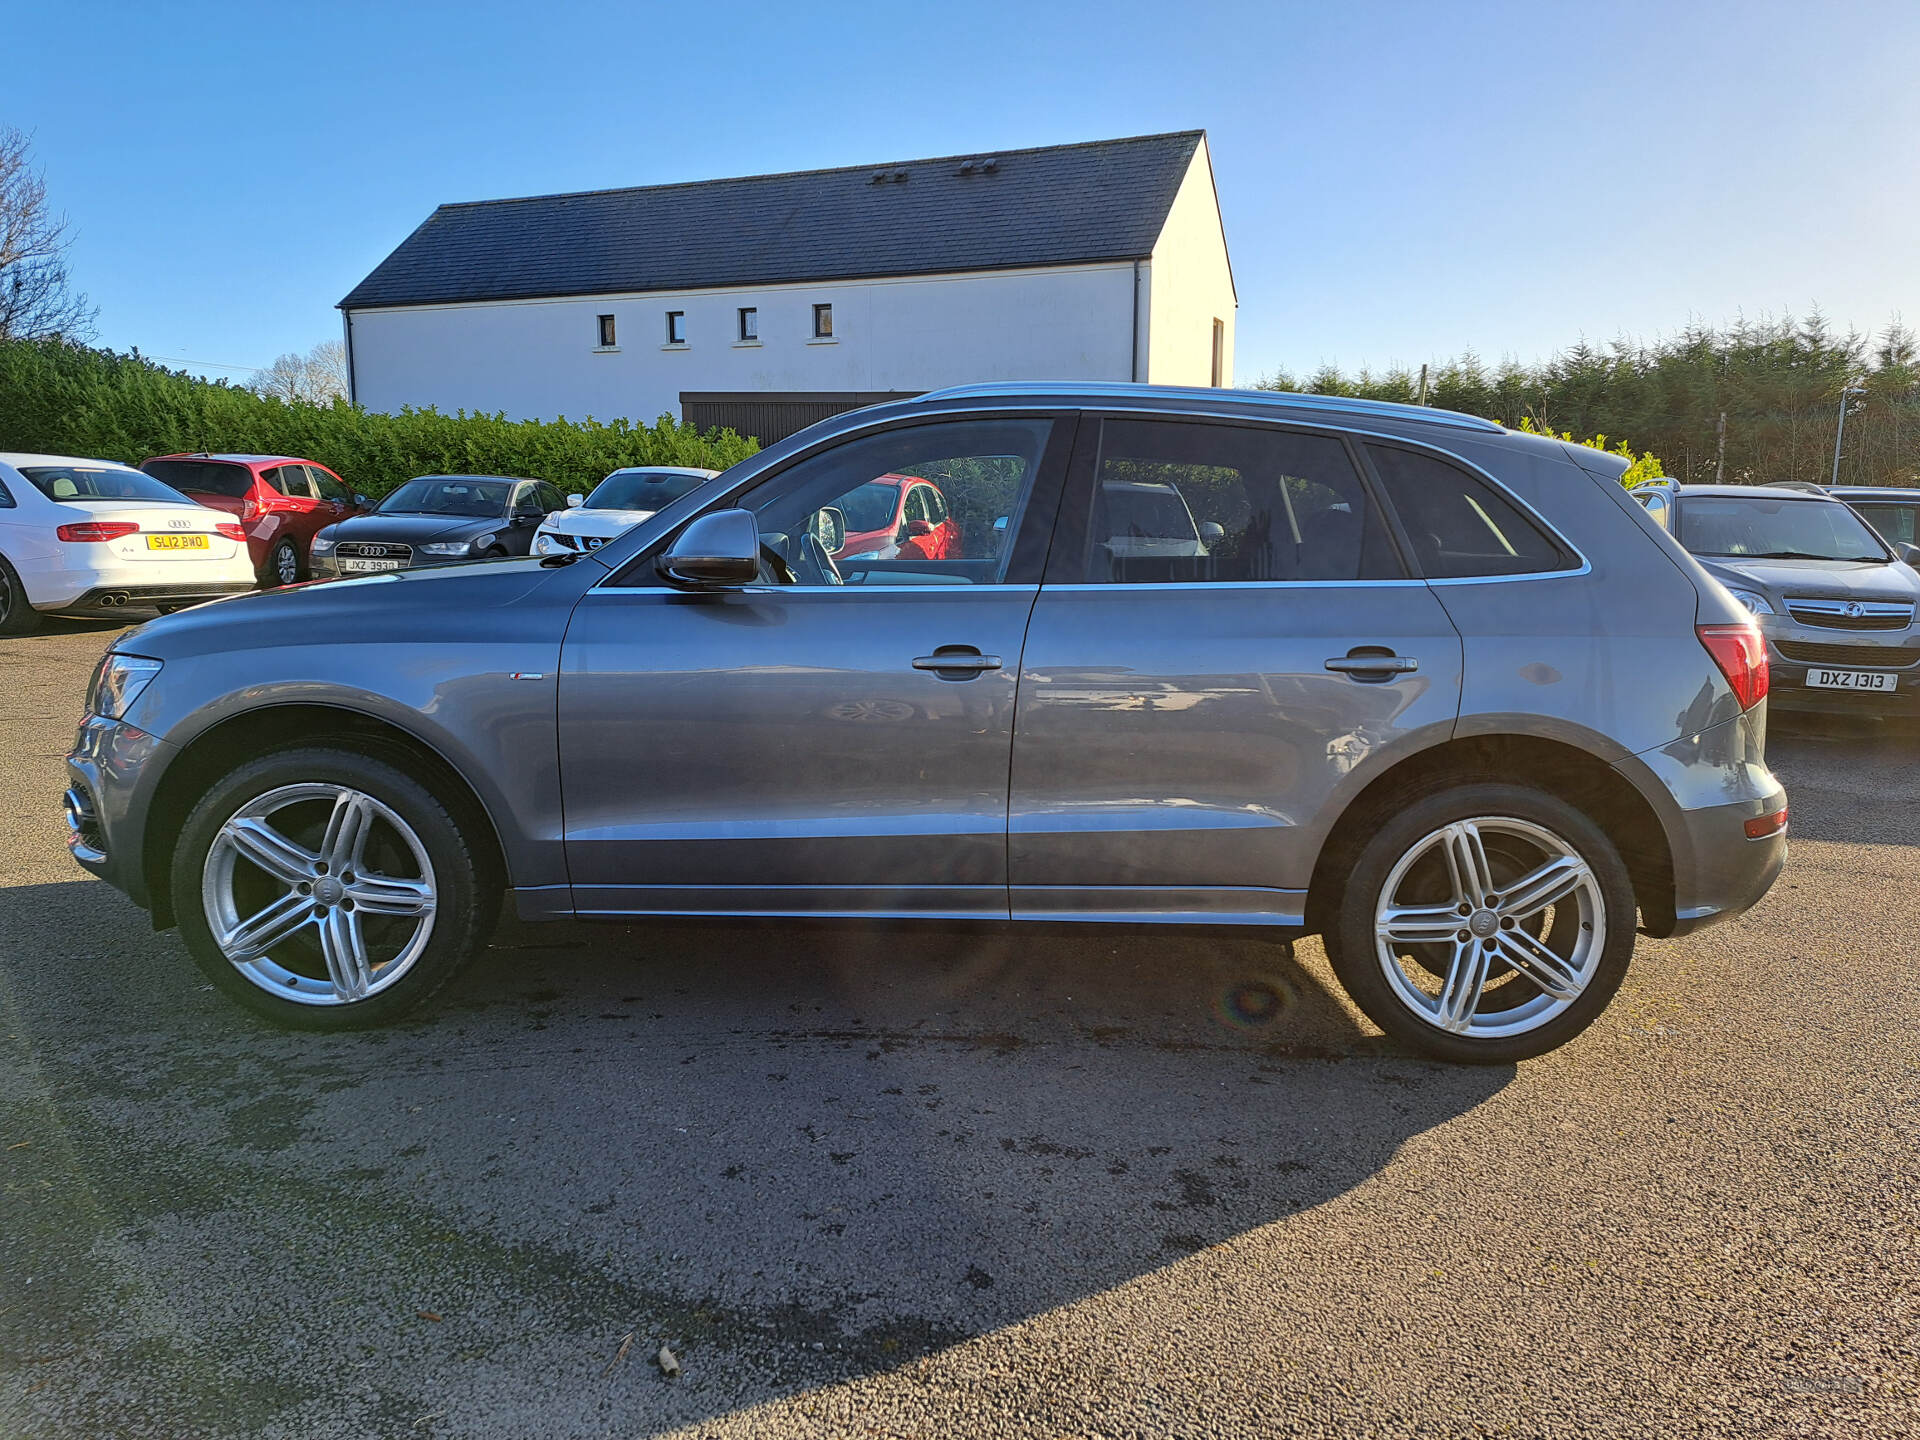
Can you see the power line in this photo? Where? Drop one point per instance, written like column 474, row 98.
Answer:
column 209, row 364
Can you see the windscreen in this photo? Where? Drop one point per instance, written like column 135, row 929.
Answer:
column 641, row 490
column 101, row 482
column 1755, row 528
column 448, row 495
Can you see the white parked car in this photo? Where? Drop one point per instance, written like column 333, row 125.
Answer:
column 80, row 537
column 617, row 504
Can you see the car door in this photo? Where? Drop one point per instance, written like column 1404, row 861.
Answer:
column 524, row 515
column 1189, row 708
column 833, row 740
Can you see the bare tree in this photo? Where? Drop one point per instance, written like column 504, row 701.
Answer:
column 35, row 301
column 318, row 377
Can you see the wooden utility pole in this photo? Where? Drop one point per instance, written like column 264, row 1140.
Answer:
column 1720, row 461
column 1423, row 385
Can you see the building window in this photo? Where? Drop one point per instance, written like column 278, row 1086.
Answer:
column 606, row 332
column 676, row 327
column 1219, row 353
column 749, row 322
column 823, row 322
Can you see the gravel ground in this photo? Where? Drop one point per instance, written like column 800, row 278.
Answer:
column 925, row 1184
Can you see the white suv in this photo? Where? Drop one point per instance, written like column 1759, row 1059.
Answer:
column 617, row 504
column 89, row 536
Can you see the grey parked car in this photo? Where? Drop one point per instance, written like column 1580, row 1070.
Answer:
column 1835, row 600
column 1438, row 691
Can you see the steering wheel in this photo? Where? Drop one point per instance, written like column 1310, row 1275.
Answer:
column 815, row 566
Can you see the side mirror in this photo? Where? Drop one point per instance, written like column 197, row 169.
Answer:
column 722, row 547
column 360, row 499
column 1908, row 553
column 830, row 529
column 1212, row 532
column 574, row 502
column 919, row 527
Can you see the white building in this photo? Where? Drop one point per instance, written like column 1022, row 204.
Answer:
column 769, row 302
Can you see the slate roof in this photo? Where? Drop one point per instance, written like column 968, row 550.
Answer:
column 1056, row 205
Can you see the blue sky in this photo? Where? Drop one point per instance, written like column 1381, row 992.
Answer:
column 1400, row 181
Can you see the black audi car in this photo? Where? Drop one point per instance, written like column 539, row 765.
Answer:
column 437, row 519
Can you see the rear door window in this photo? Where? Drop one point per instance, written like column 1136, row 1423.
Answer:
column 291, row 480
column 1180, row 503
column 1461, row 526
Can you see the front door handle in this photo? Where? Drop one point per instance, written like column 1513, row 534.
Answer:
column 1373, row 664
column 957, row 661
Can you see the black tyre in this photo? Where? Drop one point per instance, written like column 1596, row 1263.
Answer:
column 1487, row 924
column 17, row 616
column 283, row 564
column 327, row 890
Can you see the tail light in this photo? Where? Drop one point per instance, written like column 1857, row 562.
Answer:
column 249, row 511
column 231, row 531
column 87, row 530
column 1741, row 653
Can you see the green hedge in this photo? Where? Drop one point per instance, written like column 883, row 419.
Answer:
column 66, row 399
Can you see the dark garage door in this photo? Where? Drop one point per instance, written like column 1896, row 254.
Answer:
column 770, row 415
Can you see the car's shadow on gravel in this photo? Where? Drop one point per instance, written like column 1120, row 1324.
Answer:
column 795, row 1155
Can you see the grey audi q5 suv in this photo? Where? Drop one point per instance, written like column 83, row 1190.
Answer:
column 1437, row 691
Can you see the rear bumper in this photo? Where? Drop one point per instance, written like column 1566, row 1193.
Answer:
column 1704, row 789
column 106, row 599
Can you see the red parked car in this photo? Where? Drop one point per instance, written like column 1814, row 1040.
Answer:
column 896, row 516
column 281, row 503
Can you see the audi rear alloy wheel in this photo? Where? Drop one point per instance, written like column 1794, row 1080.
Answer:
column 1489, row 922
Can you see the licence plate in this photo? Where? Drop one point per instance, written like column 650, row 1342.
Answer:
column 354, row 565
column 1851, row 680
column 176, row 542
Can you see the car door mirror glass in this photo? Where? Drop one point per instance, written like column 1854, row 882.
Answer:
column 720, row 548
column 830, row 528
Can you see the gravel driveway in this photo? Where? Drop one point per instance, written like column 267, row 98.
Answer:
column 958, row 1184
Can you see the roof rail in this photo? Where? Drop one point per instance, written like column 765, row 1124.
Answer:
column 1275, row 399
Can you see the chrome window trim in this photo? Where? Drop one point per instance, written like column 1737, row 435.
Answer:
column 996, row 588
column 1064, row 406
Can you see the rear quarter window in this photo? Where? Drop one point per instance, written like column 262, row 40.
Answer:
column 1460, row 526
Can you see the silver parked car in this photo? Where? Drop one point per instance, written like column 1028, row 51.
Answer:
column 1438, row 691
column 1839, row 605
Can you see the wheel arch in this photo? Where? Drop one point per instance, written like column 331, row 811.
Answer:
column 1573, row 774
column 253, row 733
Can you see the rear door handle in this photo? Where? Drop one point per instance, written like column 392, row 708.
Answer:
column 1373, row 664
column 957, row 659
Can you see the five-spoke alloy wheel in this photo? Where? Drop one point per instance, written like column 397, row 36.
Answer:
column 1488, row 922
column 326, row 889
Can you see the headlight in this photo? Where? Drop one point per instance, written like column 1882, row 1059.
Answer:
column 448, row 547
column 117, row 683
column 322, row 545
column 1756, row 603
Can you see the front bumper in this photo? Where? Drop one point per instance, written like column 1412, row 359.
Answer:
column 1794, row 648
column 109, row 774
